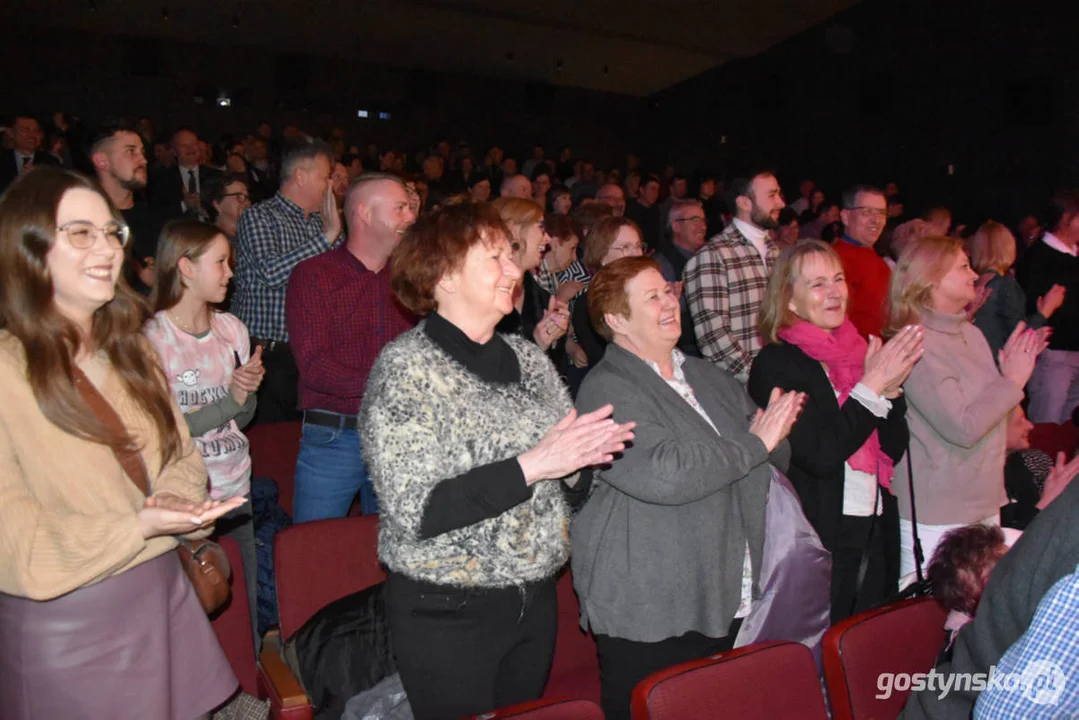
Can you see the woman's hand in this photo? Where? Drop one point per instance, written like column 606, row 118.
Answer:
column 576, row 353
column 167, row 514
column 1020, row 353
column 1058, row 479
column 569, row 289
column 247, row 378
column 577, row 441
column 774, row 424
column 1051, row 301
column 554, row 324
column 888, row 366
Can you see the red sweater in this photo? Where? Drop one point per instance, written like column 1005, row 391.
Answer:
column 867, row 278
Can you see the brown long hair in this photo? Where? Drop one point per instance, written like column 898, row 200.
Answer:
column 179, row 239
column 51, row 341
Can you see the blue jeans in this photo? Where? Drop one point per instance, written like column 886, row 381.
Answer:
column 1054, row 387
column 329, row 473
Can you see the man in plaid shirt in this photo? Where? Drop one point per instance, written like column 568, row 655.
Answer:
column 726, row 281
column 273, row 237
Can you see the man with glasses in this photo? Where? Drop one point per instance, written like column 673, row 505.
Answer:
column 682, row 238
column 864, row 215
column 119, row 161
column 726, row 281
column 231, row 197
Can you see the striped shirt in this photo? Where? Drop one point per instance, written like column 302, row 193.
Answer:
column 273, row 237
column 725, row 285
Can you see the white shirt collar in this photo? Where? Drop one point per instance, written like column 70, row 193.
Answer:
column 753, row 233
column 1054, row 242
column 678, row 359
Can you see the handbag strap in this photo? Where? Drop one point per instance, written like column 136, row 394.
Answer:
column 130, row 459
column 919, row 557
column 863, row 564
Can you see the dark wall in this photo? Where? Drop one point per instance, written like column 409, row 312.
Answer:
column 97, row 75
column 900, row 91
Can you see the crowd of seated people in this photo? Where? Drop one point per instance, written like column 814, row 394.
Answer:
column 517, row 368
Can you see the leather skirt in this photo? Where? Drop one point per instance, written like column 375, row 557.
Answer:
column 136, row 645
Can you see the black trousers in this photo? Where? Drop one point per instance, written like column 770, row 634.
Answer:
column 624, row 663
column 882, row 572
column 278, row 396
column 463, row 652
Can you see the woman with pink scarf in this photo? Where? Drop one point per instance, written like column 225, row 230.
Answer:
column 852, row 431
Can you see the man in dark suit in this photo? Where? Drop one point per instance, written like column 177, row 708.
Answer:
column 182, row 190
column 26, row 137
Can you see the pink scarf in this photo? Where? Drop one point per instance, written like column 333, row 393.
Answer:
column 843, row 352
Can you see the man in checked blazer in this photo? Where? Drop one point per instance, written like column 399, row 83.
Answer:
column 726, row 281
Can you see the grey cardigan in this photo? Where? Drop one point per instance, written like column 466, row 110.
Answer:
column 658, row 549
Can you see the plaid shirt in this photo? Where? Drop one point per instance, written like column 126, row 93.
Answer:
column 1046, row 656
column 725, row 286
column 273, row 237
column 340, row 315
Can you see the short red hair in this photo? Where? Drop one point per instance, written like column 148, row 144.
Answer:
column 607, row 290
column 437, row 244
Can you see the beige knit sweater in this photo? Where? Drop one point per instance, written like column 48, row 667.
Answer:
column 957, row 411
column 67, row 509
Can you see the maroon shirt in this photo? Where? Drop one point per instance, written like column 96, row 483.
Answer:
column 339, row 316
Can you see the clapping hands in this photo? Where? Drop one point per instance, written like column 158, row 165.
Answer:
column 247, row 378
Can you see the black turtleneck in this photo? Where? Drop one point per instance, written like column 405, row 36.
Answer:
column 488, row 490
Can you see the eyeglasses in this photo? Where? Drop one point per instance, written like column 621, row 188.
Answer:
column 871, row 211
column 82, row 234
column 243, row 197
column 694, row 219
column 635, row 248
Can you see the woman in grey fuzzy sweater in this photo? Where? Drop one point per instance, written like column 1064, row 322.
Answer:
column 474, row 451
column 667, row 550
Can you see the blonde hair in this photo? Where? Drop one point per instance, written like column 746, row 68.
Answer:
column 775, row 309
column 992, row 248
column 920, row 268
column 518, row 214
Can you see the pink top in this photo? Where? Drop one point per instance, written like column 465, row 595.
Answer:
column 199, row 370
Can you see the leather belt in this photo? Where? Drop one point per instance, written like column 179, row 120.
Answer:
column 329, row 419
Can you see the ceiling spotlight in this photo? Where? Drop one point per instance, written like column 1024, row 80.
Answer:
column 164, row 13
column 92, row 6
column 509, row 57
column 235, row 22
column 558, row 65
column 223, row 99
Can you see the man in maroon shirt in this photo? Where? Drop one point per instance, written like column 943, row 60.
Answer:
column 340, row 312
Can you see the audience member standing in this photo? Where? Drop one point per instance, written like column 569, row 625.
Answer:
column 273, row 237
column 683, row 237
column 341, row 312
column 92, row 595
column 644, row 212
column 853, row 429
column 1054, row 389
column 181, row 190
column 26, row 153
column 992, row 254
column 119, row 161
column 726, row 281
column 864, row 215
column 958, row 402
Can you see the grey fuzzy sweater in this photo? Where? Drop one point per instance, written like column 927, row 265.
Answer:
column 425, row 419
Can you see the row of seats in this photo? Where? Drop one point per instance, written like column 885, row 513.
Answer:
column 312, row 570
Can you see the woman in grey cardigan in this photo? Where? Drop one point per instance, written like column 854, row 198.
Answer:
column 474, row 450
column 667, row 550
column 958, row 402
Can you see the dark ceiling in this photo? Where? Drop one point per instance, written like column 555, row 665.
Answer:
column 637, row 47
